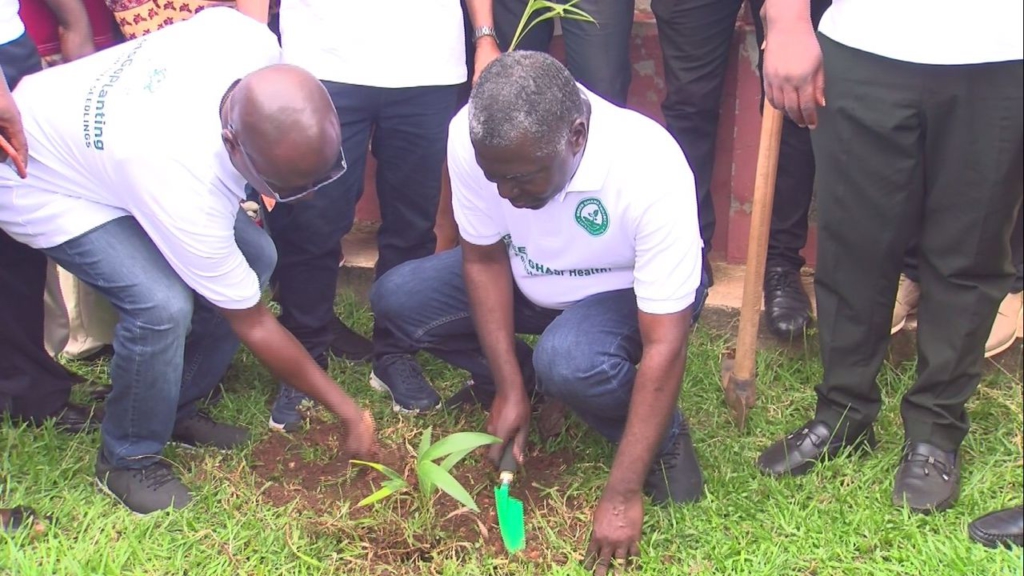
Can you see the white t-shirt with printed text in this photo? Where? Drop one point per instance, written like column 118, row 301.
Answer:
column 135, row 130
column 380, row 43
column 627, row 219
column 947, row 32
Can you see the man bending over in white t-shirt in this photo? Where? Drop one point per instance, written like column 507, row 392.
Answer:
column 579, row 223
column 145, row 208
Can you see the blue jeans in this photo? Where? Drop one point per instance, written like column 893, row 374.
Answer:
column 408, row 129
column 171, row 346
column 586, row 355
column 597, row 55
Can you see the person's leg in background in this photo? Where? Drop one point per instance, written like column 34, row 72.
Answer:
column 33, row 386
column 909, row 293
column 409, row 142
column 695, row 36
column 597, row 55
column 308, row 238
column 787, row 306
column 507, row 15
column 974, row 168
column 870, row 171
column 1008, row 323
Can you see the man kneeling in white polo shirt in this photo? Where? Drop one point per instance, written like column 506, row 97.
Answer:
column 579, row 223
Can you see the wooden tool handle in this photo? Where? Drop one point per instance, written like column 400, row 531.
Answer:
column 757, row 247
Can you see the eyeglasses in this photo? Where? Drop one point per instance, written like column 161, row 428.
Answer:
column 284, row 194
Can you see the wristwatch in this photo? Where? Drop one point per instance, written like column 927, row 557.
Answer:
column 482, row 31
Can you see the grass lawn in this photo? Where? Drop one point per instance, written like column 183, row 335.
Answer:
column 285, row 505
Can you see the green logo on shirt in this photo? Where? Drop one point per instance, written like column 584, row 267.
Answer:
column 592, row 217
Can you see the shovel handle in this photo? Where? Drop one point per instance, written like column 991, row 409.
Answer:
column 507, row 466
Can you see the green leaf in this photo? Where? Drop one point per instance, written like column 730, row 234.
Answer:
column 425, row 441
column 453, row 458
column 377, row 496
column 448, row 483
column 381, row 468
column 457, row 443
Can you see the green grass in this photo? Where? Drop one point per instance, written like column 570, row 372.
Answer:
column 836, row 521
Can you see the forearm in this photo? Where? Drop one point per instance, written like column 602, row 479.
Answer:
column 654, row 399
column 71, row 16
column 258, row 10
column 287, row 360
column 489, row 287
column 481, row 13
column 787, row 15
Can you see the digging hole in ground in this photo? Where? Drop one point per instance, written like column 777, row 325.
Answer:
column 308, row 469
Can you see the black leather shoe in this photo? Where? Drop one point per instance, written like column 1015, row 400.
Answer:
column 73, row 419
column 786, row 305
column 1002, row 528
column 347, row 344
column 798, row 452
column 13, row 519
column 928, row 479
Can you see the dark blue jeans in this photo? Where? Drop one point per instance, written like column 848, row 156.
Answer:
column 171, row 347
column 586, row 355
column 408, row 130
column 597, row 55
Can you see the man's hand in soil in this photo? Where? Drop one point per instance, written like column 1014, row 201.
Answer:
column 794, row 80
column 11, row 129
column 287, row 360
column 509, row 420
column 489, row 287
column 619, row 516
column 615, row 539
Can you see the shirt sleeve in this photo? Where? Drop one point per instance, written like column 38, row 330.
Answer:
column 477, row 214
column 192, row 224
column 669, row 250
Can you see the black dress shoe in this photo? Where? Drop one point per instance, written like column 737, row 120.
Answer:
column 347, row 344
column 786, row 305
column 76, row 419
column 1003, row 528
column 798, row 452
column 928, row 479
column 13, row 519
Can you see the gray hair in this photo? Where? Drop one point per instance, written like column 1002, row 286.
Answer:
column 525, row 96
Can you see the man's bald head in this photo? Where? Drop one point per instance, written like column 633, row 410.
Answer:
column 283, row 119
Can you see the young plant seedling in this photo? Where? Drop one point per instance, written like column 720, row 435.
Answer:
column 554, row 10
column 431, row 474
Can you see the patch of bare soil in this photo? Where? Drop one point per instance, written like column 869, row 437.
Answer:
column 307, row 468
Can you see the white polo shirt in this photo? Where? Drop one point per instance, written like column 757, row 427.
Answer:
column 11, row 26
column 929, row 31
column 380, row 43
column 135, row 130
column 627, row 219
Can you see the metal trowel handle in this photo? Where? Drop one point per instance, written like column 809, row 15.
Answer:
column 508, row 465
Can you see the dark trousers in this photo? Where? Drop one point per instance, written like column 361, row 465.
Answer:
column 586, row 355
column 913, row 151
column 596, row 55
column 408, row 130
column 910, row 260
column 32, row 385
column 695, row 37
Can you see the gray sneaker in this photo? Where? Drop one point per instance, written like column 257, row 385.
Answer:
column 143, row 490
column 201, row 430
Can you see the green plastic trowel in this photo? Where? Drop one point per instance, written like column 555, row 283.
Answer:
column 510, row 510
